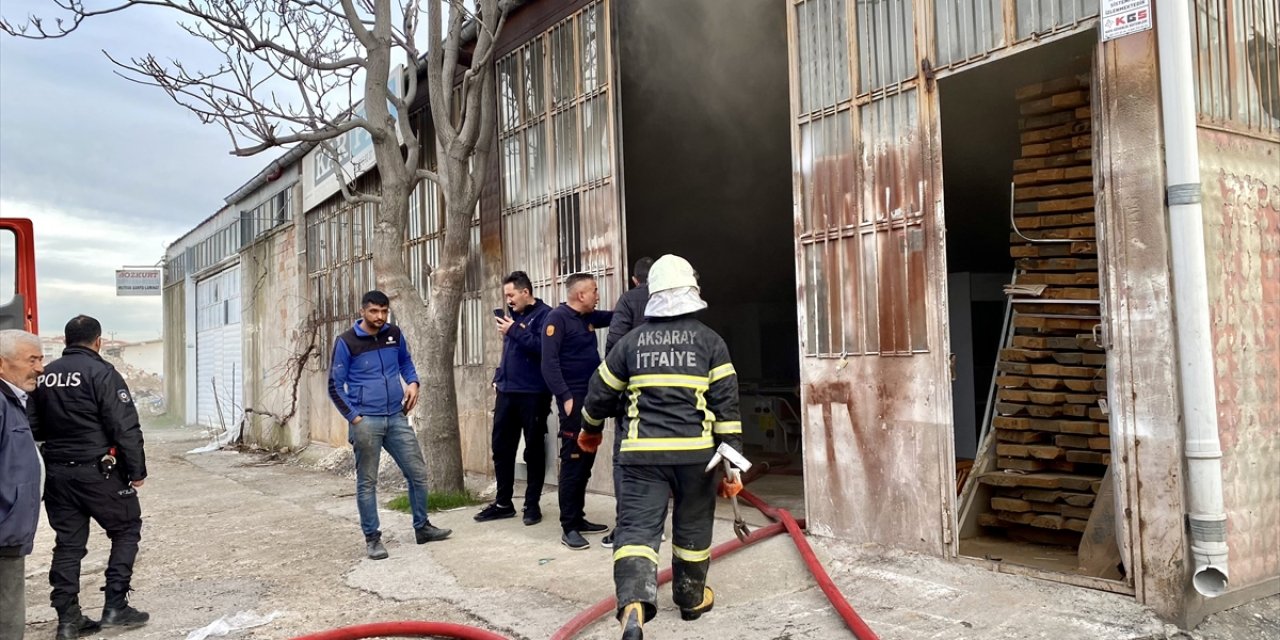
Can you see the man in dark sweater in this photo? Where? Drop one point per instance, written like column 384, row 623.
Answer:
column 570, row 354
column 523, row 401
column 627, row 315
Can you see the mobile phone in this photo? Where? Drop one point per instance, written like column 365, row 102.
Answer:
column 499, row 313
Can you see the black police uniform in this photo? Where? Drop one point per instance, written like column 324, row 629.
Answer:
column 83, row 410
column 681, row 395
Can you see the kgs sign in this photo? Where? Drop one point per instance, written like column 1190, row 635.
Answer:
column 1124, row 17
column 138, row 282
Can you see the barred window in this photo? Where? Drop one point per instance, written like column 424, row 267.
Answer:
column 339, row 263
column 1237, row 67
column 861, row 250
column 559, row 207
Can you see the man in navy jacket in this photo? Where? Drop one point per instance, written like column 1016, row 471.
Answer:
column 570, row 354
column 21, row 360
column 523, row 401
column 369, row 361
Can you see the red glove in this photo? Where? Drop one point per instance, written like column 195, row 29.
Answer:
column 731, row 485
column 589, row 442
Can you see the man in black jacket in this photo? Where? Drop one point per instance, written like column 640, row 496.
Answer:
column 629, row 312
column 93, row 450
column 570, row 353
column 523, row 401
column 627, row 315
column 682, row 402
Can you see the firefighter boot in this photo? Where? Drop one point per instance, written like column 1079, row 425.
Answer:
column 632, row 619
column 708, row 601
column 73, row 624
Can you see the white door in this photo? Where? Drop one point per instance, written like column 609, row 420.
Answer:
column 219, row 366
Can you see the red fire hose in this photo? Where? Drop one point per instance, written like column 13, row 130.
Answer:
column 783, row 522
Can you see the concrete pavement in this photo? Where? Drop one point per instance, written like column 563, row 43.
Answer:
column 227, row 532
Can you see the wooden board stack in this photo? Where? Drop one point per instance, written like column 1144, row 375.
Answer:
column 1051, row 434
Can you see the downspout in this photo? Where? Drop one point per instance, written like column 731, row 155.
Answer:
column 1205, row 510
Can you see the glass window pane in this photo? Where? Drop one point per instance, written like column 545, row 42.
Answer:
column 593, row 50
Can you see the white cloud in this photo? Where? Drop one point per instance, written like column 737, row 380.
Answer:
column 77, row 253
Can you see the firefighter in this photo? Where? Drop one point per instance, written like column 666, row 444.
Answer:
column 93, row 450
column 681, row 395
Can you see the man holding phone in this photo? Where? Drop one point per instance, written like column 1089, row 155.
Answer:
column 523, row 402
column 369, row 361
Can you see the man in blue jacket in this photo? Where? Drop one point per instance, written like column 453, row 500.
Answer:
column 21, row 362
column 523, row 401
column 369, row 361
column 570, row 354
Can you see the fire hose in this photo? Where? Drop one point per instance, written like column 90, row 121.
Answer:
column 783, row 521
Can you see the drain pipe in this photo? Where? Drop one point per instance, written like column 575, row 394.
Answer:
column 1205, row 510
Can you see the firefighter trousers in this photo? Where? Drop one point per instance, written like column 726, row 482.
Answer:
column 642, row 510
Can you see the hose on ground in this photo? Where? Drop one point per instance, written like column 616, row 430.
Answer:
column 783, row 521
column 610, row 604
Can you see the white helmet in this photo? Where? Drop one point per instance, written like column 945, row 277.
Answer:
column 671, row 272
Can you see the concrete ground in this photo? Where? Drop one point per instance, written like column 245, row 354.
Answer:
column 227, row 532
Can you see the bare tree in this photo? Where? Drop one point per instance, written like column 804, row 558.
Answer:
column 289, row 75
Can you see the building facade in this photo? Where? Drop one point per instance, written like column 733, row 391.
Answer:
column 934, row 235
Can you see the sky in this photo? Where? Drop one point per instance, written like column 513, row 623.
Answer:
column 109, row 171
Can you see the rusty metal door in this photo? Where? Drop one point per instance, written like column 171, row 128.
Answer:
column 875, row 389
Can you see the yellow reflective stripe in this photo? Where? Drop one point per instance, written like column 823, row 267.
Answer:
column 667, row 444
column 607, row 376
column 591, row 421
column 668, row 380
column 723, row 371
column 729, row 427
column 689, row 555
column 708, row 418
column 636, row 551
column 633, row 413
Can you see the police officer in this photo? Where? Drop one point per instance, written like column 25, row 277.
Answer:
column 570, row 353
column 92, row 448
column 682, row 402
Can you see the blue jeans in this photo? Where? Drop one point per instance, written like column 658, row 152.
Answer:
column 368, row 439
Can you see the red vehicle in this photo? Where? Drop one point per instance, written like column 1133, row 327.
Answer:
column 18, row 275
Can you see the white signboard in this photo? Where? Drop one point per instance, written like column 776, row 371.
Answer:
column 1124, row 17
column 138, row 282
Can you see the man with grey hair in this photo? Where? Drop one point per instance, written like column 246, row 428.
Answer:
column 21, row 363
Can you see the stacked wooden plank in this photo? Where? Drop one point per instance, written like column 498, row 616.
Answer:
column 1051, row 433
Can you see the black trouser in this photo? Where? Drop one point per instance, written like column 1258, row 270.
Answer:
column 73, row 495
column 516, row 414
column 642, row 509
column 575, row 468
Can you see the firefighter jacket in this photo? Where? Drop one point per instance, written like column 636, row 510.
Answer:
column 680, row 391
column 83, row 408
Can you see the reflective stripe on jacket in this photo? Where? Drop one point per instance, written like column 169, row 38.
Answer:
column 680, row 391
